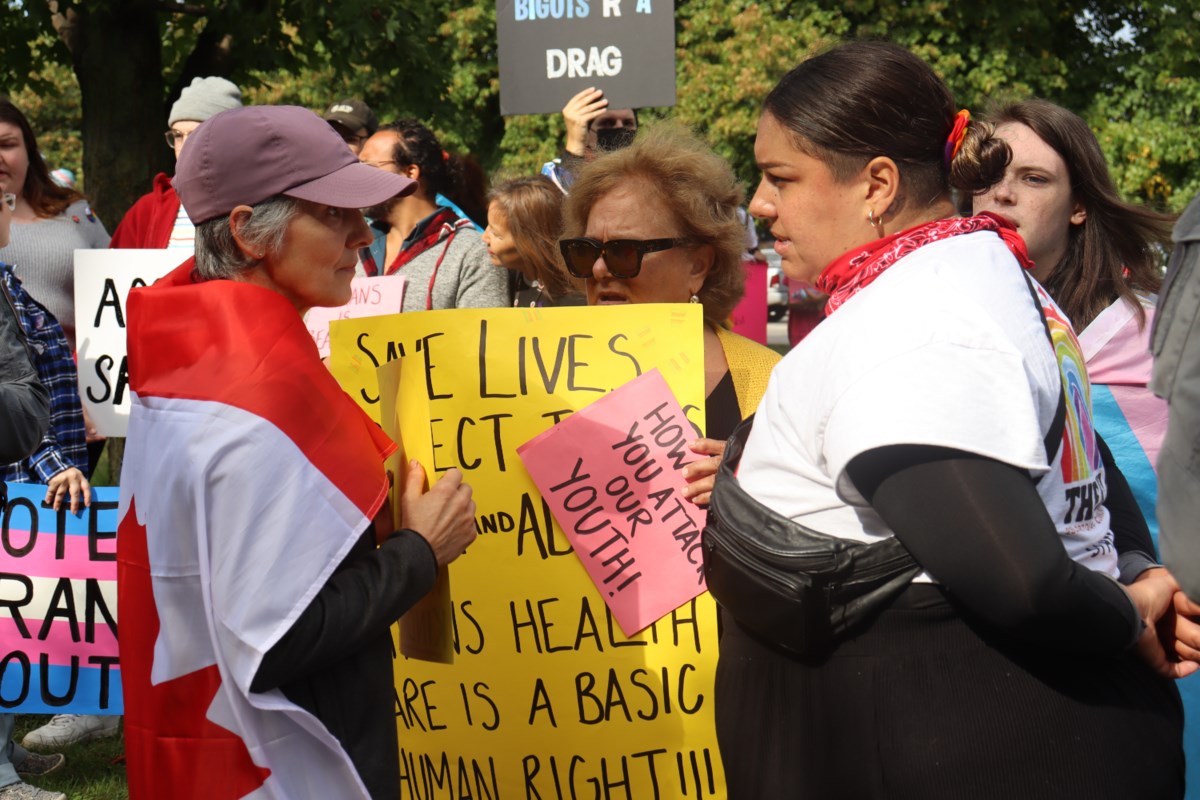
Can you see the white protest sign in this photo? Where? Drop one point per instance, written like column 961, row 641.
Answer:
column 103, row 279
column 371, row 297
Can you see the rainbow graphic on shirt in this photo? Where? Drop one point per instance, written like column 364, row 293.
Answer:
column 1080, row 455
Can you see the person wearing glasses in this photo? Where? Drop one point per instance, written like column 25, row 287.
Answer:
column 257, row 574
column 353, row 120
column 657, row 222
column 524, row 219
column 25, row 413
column 50, row 222
column 591, row 128
column 61, row 458
column 436, row 248
column 157, row 220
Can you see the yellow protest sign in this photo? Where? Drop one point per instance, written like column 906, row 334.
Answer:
column 546, row 698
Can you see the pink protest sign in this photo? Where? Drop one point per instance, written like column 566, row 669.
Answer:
column 372, row 297
column 612, row 474
column 58, row 605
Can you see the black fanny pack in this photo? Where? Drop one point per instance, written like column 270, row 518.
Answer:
column 799, row 588
column 793, row 586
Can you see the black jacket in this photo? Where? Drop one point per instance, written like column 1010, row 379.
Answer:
column 336, row 660
column 24, row 403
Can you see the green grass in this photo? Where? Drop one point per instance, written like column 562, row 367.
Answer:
column 94, row 770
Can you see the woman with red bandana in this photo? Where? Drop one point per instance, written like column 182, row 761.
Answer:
column 940, row 412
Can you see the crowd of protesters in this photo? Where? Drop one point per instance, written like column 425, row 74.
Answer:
column 980, row 309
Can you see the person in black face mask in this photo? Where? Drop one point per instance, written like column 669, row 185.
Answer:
column 592, row 127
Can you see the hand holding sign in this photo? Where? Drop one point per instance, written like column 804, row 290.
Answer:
column 701, row 475
column 444, row 516
column 612, row 473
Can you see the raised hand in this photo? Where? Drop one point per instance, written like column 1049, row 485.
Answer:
column 578, row 114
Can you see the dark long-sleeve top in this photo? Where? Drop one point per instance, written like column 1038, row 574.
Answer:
column 336, row 659
column 978, row 526
column 24, row 402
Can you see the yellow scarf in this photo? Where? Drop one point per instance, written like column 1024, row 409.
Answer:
column 750, row 365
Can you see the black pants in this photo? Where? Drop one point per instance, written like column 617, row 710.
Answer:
column 924, row 705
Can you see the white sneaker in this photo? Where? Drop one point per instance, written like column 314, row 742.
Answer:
column 23, row 791
column 65, row 729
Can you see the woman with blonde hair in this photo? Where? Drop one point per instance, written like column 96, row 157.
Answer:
column 656, row 222
column 524, row 219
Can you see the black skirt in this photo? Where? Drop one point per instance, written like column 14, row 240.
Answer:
column 926, row 705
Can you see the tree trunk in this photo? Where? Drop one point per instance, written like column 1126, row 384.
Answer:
column 117, row 58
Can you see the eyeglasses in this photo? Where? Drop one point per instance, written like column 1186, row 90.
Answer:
column 174, row 137
column 9, row 199
column 377, row 164
column 623, row 257
column 354, row 138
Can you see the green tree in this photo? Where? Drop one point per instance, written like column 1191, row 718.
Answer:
column 729, row 56
column 1132, row 71
column 54, row 112
column 131, row 59
column 1147, row 118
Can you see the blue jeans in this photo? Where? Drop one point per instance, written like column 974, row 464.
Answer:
column 12, row 753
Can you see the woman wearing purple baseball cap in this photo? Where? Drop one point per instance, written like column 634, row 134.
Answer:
column 257, row 576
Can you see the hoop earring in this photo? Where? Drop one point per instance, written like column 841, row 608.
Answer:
column 876, row 222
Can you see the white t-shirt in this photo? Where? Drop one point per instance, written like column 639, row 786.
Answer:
column 183, row 233
column 945, row 348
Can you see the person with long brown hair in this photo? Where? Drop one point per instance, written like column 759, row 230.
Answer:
column 524, row 220
column 50, row 222
column 1090, row 248
column 1101, row 259
column 954, row 626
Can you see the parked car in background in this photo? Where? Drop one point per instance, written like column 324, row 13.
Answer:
column 777, row 290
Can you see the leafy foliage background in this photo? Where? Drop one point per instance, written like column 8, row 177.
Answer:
column 1131, row 70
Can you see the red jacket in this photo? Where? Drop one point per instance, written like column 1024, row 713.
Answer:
column 148, row 225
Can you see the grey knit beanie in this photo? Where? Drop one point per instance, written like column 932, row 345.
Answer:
column 204, row 98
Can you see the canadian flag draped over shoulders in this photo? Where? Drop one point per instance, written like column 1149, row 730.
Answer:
column 248, row 476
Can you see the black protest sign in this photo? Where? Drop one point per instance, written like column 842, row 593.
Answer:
column 550, row 50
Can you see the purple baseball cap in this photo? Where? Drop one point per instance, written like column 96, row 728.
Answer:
column 244, row 156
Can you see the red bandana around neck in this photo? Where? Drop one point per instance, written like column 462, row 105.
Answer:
column 854, row 270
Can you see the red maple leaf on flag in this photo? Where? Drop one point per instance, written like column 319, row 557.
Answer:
column 172, row 748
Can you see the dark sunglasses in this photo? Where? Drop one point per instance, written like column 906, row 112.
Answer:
column 623, row 257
